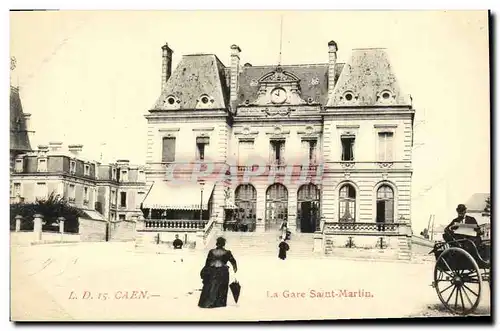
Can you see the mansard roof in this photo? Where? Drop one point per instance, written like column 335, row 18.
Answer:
column 313, row 80
column 367, row 79
column 19, row 140
column 196, row 76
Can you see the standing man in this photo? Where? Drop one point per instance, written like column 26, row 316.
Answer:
column 178, row 245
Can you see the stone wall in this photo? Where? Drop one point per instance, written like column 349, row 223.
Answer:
column 122, row 231
column 92, row 230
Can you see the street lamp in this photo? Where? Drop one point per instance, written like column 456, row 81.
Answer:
column 202, row 183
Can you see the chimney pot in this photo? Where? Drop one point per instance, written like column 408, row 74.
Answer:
column 43, row 148
column 235, row 49
column 332, row 45
column 166, row 71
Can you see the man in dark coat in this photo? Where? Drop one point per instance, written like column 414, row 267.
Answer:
column 462, row 218
column 178, row 245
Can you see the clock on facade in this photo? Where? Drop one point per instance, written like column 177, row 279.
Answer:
column 278, row 95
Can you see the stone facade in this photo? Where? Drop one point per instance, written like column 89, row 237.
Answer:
column 296, row 135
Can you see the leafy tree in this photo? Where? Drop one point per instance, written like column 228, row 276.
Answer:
column 51, row 208
column 487, row 208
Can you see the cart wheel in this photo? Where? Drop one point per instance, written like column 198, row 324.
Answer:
column 458, row 289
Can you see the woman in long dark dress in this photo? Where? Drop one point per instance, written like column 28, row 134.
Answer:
column 215, row 275
column 283, row 248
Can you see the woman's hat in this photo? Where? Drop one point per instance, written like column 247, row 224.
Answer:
column 461, row 208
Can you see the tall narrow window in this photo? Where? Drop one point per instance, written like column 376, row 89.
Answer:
column 347, row 148
column 347, row 203
column 168, row 151
column 309, row 147
column 85, row 196
column 72, row 167
column 385, row 146
column 19, row 165
column 245, row 148
column 385, row 204
column 71, row 193
column 113, row 198
column 277, row 151
column 123, row 199
column 17, row 189
column 86, row 170
column 201, row 143
column 113, row 174
column 124, row 176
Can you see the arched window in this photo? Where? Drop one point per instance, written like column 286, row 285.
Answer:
column 276, row 206
column 347, row 203
column 385, row 204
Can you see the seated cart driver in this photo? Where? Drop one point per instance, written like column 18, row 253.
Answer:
column 449, row 232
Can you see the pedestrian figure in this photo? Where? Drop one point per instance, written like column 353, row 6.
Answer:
column 284, row 229
column 215, row 276
column 283, row 248
column 178, row 246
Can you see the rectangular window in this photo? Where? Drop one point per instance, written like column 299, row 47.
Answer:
column 201, row 143
column 245, row 149
column 113, row 174
column 71, row 193
column 277, row 151
column 141, row 177
column 86, row 170
column 113, row 198
column 121, row 217
column 168, row 150
column 385, row 146
column 17, row 189
column 123, row 199
column 309, row 150
column 72, row 167
column 347, row 148
column 41, row 191
column 42, row 165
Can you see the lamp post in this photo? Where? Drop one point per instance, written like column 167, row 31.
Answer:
column 202, row 183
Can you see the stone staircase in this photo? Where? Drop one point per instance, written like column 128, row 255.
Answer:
column 404, row 248
column 266, row 243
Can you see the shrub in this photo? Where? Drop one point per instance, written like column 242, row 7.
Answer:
column 51, row 208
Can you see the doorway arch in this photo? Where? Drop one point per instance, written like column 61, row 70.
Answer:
column 276, row 206
column 308, row 208
column 245, row 199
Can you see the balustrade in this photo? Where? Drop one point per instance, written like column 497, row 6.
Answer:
column 175, row 224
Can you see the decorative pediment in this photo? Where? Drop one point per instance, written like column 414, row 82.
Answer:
column 279, row 76
column 278, row 132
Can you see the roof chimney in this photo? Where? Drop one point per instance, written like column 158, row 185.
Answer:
column 235, row 67
column 75, row 149
column 166, row 70
column 55, row 146
column 332, row 61
column 43, row 148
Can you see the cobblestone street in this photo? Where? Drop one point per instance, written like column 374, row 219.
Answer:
column 97, row 282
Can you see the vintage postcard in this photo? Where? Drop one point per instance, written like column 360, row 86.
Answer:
column 249, row 165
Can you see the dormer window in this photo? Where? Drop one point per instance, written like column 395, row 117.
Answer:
column 72, row 167
column 385, row 96
column 205, row 101
column 349, row 96
column 86, row 170
column 171, row 102
column 42, row 165
column 18, row 167
column 124, row 175
column 113, row 174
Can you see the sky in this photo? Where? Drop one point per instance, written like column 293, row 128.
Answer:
column 90, row 77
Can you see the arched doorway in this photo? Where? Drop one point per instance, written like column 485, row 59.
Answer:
column 385, row 204
column 347, row 204
column 308, row 208
column 276, row 206
column 245, row 199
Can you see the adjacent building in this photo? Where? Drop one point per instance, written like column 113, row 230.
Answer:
column 19, row 127
column 254, row 146
column 114, row 190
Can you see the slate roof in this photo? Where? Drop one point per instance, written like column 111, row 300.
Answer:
column 19, row 140
column 313, row 80
column 477, row 202
column 367, row 75
column 196, row 75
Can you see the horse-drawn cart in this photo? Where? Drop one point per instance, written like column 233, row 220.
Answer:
column 461, row 267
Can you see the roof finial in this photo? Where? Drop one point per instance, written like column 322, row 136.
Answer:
column 281, row 38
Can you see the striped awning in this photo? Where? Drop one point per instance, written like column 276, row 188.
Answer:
column 178, row 196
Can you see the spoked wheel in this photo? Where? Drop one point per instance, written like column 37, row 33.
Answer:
column 457, row 280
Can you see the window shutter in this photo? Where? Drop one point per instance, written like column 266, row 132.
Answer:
column 381, row 146
column 305, row 152
column 389, row 147
column 282, row 153
column 389, row 211
column 168, row 153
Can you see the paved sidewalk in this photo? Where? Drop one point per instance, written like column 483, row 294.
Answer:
column 44, row 278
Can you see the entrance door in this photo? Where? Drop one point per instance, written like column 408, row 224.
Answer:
column 276, row 206
column 308, row 208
